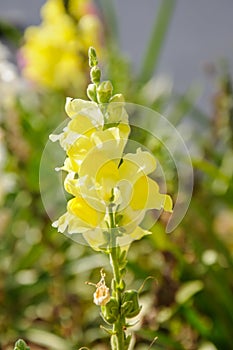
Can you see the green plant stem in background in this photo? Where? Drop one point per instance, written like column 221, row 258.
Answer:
column 161, row 25
column 109, row 13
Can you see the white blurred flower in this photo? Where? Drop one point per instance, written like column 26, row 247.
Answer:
column 7, row 180
column 10, row 81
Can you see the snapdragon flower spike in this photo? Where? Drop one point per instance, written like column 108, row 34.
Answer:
column 106, row 184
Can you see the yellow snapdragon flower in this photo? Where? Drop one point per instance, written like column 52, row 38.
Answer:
column 106, row 177
column 54, row 53
column 111, row 190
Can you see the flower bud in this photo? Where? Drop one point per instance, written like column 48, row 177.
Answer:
column 130, row 304
column 91, row 92
column 21, row 345
column 104, row 91
column 110, row 311
column 121, row 285
column 95, row 75
column 93, row 61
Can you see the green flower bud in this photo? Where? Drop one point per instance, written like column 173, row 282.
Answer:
column 104, row 91
column 21, row 345
column 95, row 75
column 110, row 311
column 91, row 92
column 130, row 304
column 93, row 61
column 121, row 285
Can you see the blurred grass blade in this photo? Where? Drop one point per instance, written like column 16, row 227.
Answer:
column 109, row 13
column 187, row 290
column 162, row 22
column 46, row 339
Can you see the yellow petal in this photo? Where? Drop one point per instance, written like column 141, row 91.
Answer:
column 140, row 193
column 79, row 148
column 82, row 125
column 89, row 109
column 72, row 185
column 106, row 178
column 136, row 235
column 74, row 105
column 146, row 196
column 80, row 208
column 136, row 165
column 95, row 238
column 112, row 141
column 71, row 223
column 168, row 205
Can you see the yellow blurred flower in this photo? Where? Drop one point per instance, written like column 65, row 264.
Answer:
column 55, row 52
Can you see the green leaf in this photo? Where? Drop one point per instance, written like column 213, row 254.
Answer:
column 156, row 42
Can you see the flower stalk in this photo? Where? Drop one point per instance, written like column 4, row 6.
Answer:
column 118, row 337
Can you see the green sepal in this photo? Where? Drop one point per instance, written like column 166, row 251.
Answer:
column 118, row 218
column 130, row 304
column 122, row 259
column 107, row 330
column 113, row 285
column 110, row 311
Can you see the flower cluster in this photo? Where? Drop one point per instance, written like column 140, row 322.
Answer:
column 111, row 191
column 54, row 53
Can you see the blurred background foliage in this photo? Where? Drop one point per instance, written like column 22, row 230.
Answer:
column 43, row 299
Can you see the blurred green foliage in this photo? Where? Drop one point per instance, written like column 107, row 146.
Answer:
column 188, row 304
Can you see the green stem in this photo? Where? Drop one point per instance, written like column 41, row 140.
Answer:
column 118, row 338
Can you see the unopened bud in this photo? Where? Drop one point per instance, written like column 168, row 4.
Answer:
column 104, row 91
column 110, row 311
column 130, row 304
column 91, row 92
column 95, row 75
column 93, row 61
